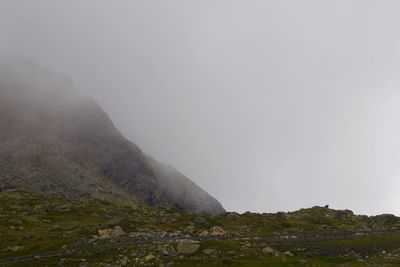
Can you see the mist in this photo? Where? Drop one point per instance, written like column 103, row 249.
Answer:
column 267, row 105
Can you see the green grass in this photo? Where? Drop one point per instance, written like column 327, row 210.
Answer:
column 28, row 219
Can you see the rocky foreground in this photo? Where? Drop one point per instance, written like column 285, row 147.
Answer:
column 39, row 230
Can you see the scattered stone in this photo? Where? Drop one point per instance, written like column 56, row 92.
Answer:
column 150, row 258
column 209, row 251
column 270, row 251
column 55, row 227
column 217, row 231
column 203, row 233
column 63, row 208
column 109, row 233
column 187, row 247
column 163, row 252
column 189, row 229
column 93, row 240
column 288, row 254
column 124, row 261
column 14, row 248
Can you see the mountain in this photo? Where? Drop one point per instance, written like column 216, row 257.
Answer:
column 54, row 141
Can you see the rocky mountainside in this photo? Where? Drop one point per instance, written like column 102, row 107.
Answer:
column 54, row 141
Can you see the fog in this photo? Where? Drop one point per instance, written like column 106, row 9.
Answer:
column 267, row 105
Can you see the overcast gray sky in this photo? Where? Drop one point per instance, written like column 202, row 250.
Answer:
column 268, row 105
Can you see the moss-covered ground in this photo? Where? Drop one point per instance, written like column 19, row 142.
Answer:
column 60, row 231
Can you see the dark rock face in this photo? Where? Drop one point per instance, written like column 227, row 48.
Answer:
column 54, row 141
column 182, row 192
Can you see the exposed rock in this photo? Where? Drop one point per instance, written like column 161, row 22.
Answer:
column 63, row 208
column 270, row 251
column 209, row 251
column 124, row 261
column 163, row 252
column 109, row 233
column 203, row 233
column 55, row 227
column 117, row 231
column 189, row 229
column 288, row 254
column 187, row 247
column 14, row 248
column 150, row 258
column 217, row 231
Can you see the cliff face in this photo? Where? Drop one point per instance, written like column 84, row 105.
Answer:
column 54, row 141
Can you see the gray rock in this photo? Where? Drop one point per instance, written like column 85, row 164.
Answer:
column 288, row 254
column 209, row 251
column 217, row 231
column 150, row 258
column 14, row 248
column 204, row 233
column 124, row 261
column 270, row 251
column 187, row 247
column 110, row 233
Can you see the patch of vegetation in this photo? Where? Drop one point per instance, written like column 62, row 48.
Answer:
column 62, row 231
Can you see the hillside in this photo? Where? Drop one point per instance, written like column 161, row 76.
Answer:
column 54, row 141
column 37, row 230
column 75, row 192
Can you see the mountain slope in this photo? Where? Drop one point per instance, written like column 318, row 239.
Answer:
column 187, row 195
column 54, row 141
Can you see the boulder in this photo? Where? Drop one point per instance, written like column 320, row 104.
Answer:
column 209, row 251
column 270, row 251
column 203, row 233
column 150, row 258
column 217, row 231
column 14, row 248
column 187, row 247
column 288, row 254
column 189, row 229
column 124, row 261
column 117, row 231
column 109, row 233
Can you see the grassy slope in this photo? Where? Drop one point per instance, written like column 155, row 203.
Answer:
column 42, row 223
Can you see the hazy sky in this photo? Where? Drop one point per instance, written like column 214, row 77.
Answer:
column 268, row 105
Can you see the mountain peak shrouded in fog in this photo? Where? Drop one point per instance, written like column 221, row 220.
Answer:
column 55, row 141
